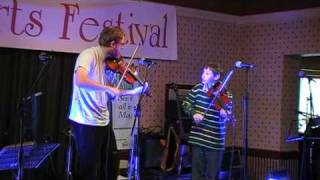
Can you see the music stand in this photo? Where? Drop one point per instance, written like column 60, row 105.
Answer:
column 313, row 122
column 22, row 107
column 33, row 157
column 305, row 139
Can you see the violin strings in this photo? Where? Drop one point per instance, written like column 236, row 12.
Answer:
column 125, row 71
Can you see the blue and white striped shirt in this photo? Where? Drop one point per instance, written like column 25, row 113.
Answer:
column 210, row 132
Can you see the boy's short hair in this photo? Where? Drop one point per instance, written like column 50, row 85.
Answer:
column 109, row 34
column 214, row 68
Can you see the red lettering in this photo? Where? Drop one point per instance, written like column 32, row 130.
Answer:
column 155, row 35
column 14, row 18
column 34, row 21
column 107, row 21
column 165, row 31
column 142, row 38
column 89, row 22
column 5, row 8
column 68, row 14
column 131, row 35
column 119, row 22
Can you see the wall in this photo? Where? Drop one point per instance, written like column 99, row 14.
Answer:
column 200, row 41
column 274, row 81
column 264, row 40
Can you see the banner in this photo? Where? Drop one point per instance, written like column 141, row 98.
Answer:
column 123, row 113
column 73, row 25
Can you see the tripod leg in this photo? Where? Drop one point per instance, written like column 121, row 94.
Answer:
column 310, row 163
column 69, row 163
column 136, row 162
column 132, row 157
column 182, row 151
column 136, row 158
column 69, row 157
column 302, row 167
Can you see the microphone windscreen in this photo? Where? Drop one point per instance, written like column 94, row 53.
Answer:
column 301, row 73
column 238, row 64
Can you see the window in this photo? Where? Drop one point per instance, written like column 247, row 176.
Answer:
column 304, row 107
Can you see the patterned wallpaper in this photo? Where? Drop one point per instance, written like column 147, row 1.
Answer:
column 272, row 84
column 199, row 42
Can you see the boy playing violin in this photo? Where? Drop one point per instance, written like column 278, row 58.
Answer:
column 207, row 136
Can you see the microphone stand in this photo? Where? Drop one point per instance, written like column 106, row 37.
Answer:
column 245, row 117
column 69, row 155
column 21, row 109
column 312, row 141
column 307, row 135
column 134, row 163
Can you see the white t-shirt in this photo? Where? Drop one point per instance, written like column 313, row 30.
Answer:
column 89, row 106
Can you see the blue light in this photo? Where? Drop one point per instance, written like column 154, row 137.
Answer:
column 278, row 175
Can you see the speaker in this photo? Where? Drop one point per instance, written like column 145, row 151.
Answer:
column 151, row 151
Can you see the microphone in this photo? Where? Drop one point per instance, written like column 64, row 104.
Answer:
column 239, row 64
column 43, row 56
column 302, row 74
column 146, row 62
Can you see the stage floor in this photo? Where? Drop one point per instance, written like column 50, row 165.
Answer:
column 155, row 174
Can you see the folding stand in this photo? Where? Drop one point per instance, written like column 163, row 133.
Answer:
column 33, row 157
column 307, row 139
column 22, row 106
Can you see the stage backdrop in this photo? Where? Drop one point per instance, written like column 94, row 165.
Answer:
column 73, row 25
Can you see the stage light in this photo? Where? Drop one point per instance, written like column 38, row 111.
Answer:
column 278, row 175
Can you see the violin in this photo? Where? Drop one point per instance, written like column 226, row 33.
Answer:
column 223, row 101
column 129, row 73
column 119, row 66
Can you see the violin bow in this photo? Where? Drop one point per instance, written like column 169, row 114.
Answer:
column 223, row 84
column 128, row 64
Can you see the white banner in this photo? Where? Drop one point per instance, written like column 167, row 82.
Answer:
column 123, row 115
column 73, row 25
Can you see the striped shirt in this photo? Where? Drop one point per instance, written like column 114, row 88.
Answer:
column 210, row 132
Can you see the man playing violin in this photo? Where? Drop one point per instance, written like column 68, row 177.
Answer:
column 90, row 115
column 207, row 135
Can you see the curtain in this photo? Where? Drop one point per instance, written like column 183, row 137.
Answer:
column 19, row 71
